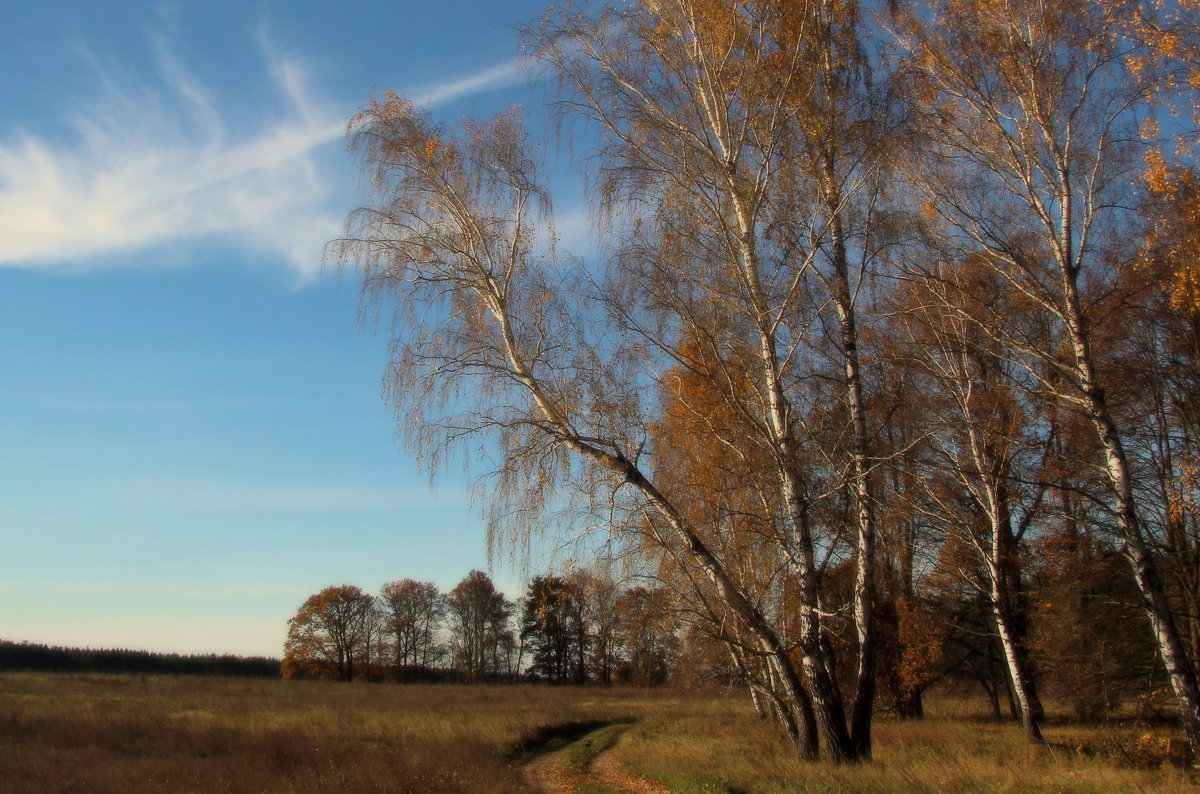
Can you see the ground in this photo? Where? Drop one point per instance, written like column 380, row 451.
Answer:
column 66, row 732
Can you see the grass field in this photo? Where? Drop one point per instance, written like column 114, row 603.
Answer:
column 66, row 732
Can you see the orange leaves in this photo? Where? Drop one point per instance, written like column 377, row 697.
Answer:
column 929, row 213
column 1158, row 175
column 1028, row 48
column 328, row 632
column 436, row 149
column 715, row 25
column 707, row 457
column 759, row 50
column 921, row 637
column 1183, row 493
column 1173, row 248
column 1171, row 252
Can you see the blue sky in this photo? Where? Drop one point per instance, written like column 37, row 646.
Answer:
column 192, row 433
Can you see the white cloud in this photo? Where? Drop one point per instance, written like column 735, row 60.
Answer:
column 145, row 168
column 500, row 76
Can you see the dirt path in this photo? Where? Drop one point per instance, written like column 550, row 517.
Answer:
column 604, row 767
column 543, row 774
column 587, row 761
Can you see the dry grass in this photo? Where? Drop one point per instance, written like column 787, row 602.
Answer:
column 956, row 748
column 115, row 733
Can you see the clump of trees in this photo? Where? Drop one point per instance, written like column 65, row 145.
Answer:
column 554, row 629
column 892, row 356
column 577, row 628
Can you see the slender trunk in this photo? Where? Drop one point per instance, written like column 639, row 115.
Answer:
column 1016, row 659
column 864, row 574
column 800, row 723
column 756, row 695
column 1005, row 596
column 828, row 147
column 993, row 694
column 1134, row 547
column 826, row 699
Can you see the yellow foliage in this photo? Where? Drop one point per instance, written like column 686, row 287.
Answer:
column 1174, row 244
column 921, row 637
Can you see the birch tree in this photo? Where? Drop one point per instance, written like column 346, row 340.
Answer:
column 1033, row 113
column 988, row 444
column 494, row 348
column 742, row 137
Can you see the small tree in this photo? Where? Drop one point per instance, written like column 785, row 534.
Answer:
column 329, row 634
column 554, row 631
column 479, row 632
column 412, row 612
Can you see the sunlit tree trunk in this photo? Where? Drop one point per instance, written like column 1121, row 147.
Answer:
column 1007, row 611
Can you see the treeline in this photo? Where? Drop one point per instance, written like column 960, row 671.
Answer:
column 1081, row 631
column 34, row 657
column 575, row 628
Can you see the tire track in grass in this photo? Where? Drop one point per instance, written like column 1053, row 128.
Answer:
column 604, row 768
column 577, row 759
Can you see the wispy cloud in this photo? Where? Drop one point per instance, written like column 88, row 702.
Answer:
column 144, row 169
column 574, row 231
column 500, row 76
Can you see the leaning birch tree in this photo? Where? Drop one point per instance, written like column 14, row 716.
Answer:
column 494, row 347
column 739, row 165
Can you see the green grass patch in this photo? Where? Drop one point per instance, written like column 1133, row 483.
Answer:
column 577, row 755
column 558, row 737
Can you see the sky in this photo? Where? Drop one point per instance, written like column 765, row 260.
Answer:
column 192, row 437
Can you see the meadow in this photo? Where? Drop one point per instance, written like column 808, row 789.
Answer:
column 110, row 733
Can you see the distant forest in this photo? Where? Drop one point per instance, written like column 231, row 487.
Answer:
column 28, row 656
